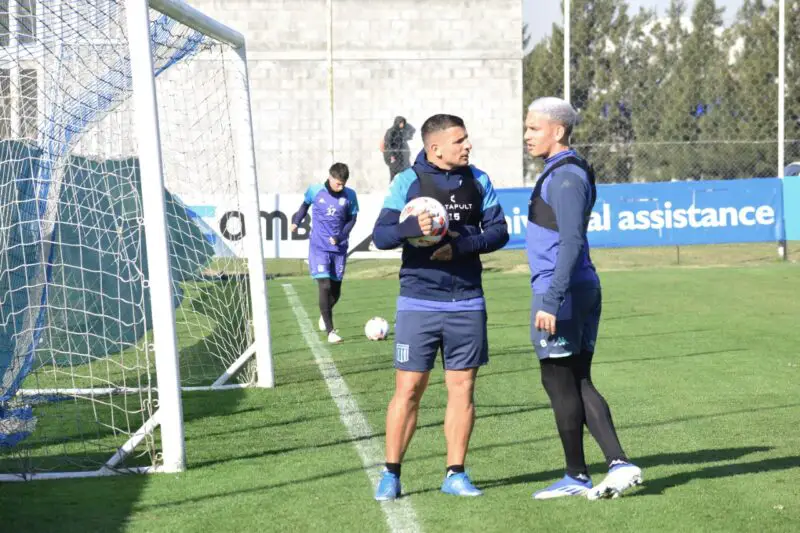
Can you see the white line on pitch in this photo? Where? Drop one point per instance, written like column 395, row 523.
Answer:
column 400, row 514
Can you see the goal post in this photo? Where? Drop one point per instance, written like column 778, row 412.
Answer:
column 115, row 294
column 245, row 154
column 155, row 222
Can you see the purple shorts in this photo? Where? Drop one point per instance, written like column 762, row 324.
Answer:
column 459, row 335
column 577, row 324
column 323, row 264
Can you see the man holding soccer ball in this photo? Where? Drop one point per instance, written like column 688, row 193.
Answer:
column 334, row 209
column 441, row 304
column 565, row 313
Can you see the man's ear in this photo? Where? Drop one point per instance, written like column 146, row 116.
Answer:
column 560, row 134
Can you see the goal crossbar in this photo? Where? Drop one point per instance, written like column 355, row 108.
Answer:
column 197, row 20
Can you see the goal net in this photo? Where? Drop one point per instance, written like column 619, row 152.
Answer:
column 81, row 324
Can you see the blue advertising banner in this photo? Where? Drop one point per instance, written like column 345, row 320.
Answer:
column 672, row 213
column 791, row 207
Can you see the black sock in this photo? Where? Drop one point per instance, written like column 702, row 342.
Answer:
column 618, row 460
column 580, row 476
column 394, row 468
column 454, row 469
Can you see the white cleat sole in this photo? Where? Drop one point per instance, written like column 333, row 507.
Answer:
column 554, row 494
column 616, row 483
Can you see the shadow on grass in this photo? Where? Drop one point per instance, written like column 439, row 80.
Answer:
column 691, row 457
column 74, row 505
column 658, row 485
column 77, row 435
column 508, row 410
column 349, row 368
column 697, row 457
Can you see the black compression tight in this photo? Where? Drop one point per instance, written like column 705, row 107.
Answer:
column 329, row 293
column 576, row 402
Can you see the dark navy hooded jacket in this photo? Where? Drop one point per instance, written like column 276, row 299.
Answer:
column 558, row 255
column 474, row 213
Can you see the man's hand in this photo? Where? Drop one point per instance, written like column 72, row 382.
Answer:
column 545, row 322
column 292, row 228
column 332, row 240
column 392, row 159
column 425, row 223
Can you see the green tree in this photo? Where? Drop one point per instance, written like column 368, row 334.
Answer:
column 542, row 75
column 752, row 112
column 697, row 84
column 657, row 99
column 600, row 32
column 526, row 36
column 608, row 132
column 542, row 68
column 676, row 98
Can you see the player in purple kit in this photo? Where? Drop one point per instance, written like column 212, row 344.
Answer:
column 567, row 303
column 334, row 209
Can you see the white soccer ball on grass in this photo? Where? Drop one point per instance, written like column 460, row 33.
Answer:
column 376, row 329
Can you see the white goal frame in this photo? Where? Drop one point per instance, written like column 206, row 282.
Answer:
column 169, row 414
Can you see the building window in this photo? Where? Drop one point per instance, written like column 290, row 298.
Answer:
column 26, row 21
column 19, row 78
column 28, row 103
column 5, row 23
column 5, row 104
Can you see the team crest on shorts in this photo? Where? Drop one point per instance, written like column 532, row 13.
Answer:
column 401, row 353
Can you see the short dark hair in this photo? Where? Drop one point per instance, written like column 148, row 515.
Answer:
column 439, row 123
column 339, row 171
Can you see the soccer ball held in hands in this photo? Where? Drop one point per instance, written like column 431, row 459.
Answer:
column 437, row 212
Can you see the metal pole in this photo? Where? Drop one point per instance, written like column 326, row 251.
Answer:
column 567, row 40
column 155, row 225
column 782, row 251
column 246, row 157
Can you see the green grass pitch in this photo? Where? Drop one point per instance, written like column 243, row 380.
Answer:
column 700, row 367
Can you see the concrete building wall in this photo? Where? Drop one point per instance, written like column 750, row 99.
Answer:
column 314, row 103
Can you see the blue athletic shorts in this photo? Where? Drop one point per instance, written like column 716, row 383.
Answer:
column 577, row 323
column 326, row 264
column 460, row 335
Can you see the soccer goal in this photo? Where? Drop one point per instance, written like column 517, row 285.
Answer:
column 117, row 119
